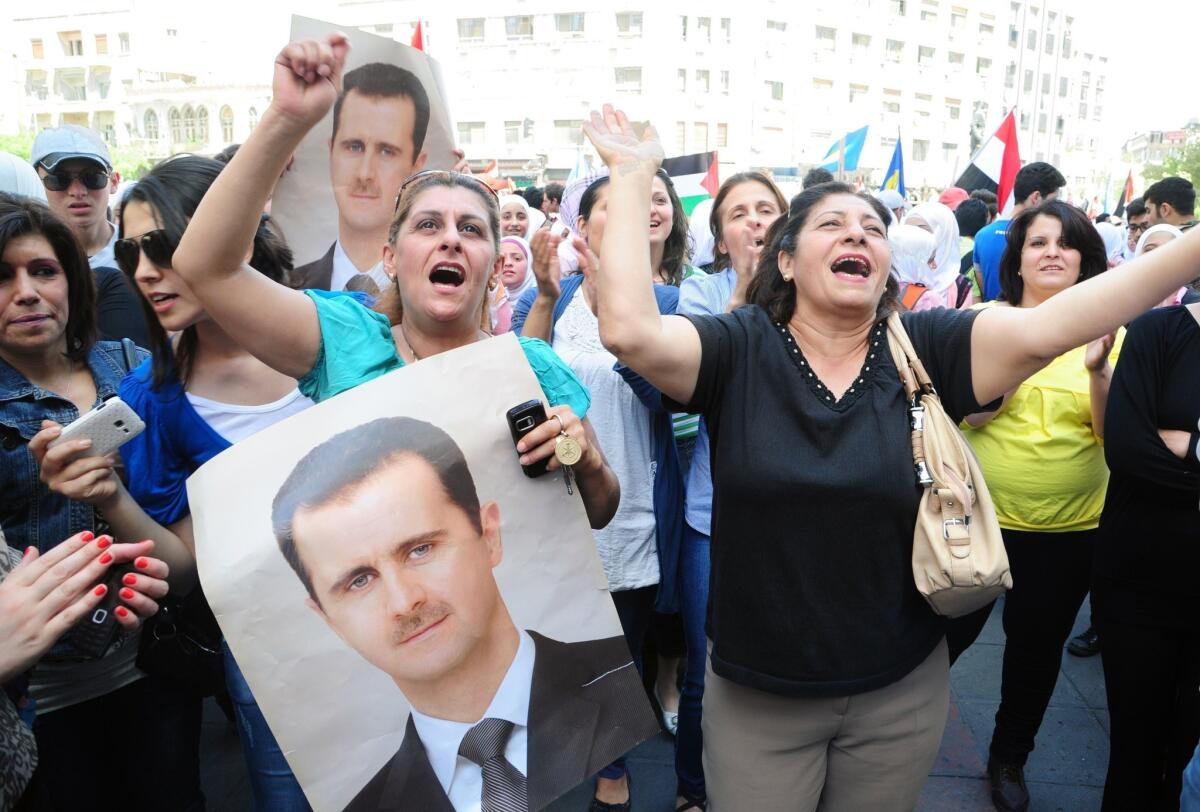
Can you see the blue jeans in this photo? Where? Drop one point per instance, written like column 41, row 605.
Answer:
column 1189, row 801
column 275, row 788
column 634, row 608
column 693, row 606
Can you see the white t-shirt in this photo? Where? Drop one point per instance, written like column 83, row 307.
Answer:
column 344, row 270
column 105, row 257
column 628, row 546
column 235, row 423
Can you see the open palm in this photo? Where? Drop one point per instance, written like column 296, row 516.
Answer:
column 619, row 146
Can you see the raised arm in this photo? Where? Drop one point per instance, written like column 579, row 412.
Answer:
column 1008, row 344
column 665, row 350
column 537, row 321
column 278, row 325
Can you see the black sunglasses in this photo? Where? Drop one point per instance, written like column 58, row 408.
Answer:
column 93, row 179
column 155, row 244
column 446, row 173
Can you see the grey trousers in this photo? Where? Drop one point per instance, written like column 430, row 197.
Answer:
column 859, row 753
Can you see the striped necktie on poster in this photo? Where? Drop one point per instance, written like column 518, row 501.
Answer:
column 504, row 788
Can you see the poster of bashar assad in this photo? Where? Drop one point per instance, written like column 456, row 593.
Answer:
column 423, row 626
column 390, row 121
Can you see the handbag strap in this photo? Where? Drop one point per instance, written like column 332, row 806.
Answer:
column 912, row 371
column 130, row 351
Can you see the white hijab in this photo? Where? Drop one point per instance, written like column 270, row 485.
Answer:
column 1114, row 242
column 530, row 281
column 19, row 178
column 533, row 217
column 1161, row 228
column 945, row 234
column 911, row 249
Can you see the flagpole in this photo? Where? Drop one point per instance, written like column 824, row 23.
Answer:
column 841, row 175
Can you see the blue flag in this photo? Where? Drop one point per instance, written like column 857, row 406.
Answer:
column 894, row 177
column 853, row 151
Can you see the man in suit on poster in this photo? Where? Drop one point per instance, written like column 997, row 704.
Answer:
column 383, row 525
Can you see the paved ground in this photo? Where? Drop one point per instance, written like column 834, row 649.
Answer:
column 1065, row 772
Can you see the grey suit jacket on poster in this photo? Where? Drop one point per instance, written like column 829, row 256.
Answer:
column 317, row 274
column 586, row 707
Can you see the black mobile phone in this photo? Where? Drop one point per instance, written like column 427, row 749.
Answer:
column 523, row 419
column 92, row 636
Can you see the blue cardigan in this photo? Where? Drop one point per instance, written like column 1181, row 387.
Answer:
column 668, row 477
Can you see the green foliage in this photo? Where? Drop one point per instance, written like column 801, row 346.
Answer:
column 20, row 145
column 131, row 162
column 1185, row 165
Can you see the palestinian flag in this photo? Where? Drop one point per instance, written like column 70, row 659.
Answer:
column 994, row 167
column 1126, row 195
column 695, row 178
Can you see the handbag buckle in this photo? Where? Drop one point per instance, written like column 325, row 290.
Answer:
column 955, row 521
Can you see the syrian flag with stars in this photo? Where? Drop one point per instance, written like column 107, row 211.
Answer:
column 695, row 177
column 994, row 167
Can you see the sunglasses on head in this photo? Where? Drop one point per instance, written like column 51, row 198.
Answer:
column 94, row 179
column 156, row 245
column 446, row 173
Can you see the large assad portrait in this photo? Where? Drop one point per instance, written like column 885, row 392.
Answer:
column 390, row 121
column 419, row 621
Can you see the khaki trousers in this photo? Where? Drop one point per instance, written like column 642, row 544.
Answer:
column 872, row 751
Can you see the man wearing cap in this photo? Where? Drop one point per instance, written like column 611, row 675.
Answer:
column 76, row 170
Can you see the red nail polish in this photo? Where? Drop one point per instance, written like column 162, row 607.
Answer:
column 141, row 563
column 130, row 579
column 106, row 558
column 100, row 591
column 122, row 611
column 127, row 594
column 104, row 542
column 30, row 551
column 86, row 536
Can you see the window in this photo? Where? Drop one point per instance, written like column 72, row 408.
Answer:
column 1045, row 84
column 899, row 8
column 958, row 17
column 1010, row 75
column 826, row 38
column 1066, row 48
column 123, row 42
column 175, row 121
column 512, row 132
column 1041, row 122
column 1096, row 115
column 1063, row 87
column 924, row 55
column 385, row 28
column 681, row 80
column 1050, row 43
column 774, row 90
column 35, row 45
column 1059, row 125
column 1028, row 86
column 956, row 60
column 1024, row 121
column 629, row 23
column 629, row 80
column 703, row 83
column 948, row 151
column 226, row 124
column 1013, row 36
column 189, row 124
column 779, row 26
column 202, row 125
column 986, row 29
column 150, row 125
column 928, row 16
column 1031, row 40
column 1086, row 78
column 722, row 136
column 725, row 82
column 252, row 116
column 857, row 92
column 920, row 149
column 861, row 43
column 894, row 50
column 1083, row 92
column 683, row 27
column 954, row 109
column 700, row 136
column 726, row 29
column 519, row 27
column 570, row 24
column 680, row 136
column 72, row 43
column 471, row 132
column 568, row 132
column 172, row 32
column 891, row 106
column 470, row 29
column 102, row 43
column 822, row 86
column 704, row 28
column 983, row 65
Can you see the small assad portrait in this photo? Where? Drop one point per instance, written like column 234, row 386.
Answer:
column 383, row 525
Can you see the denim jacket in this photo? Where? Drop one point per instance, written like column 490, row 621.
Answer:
column 30, row 513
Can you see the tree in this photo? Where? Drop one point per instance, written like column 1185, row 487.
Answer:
column 132, row 162
column 1184, row 165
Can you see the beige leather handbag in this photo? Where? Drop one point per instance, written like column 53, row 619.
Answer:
column 959, row 561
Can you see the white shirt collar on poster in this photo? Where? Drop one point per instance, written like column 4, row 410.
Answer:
column 344, row 271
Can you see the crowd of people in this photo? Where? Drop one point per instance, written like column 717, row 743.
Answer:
column 745, row 450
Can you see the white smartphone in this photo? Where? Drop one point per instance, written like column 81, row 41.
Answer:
column 109, row 426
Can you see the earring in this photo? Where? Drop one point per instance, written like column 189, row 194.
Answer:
column 787, row 277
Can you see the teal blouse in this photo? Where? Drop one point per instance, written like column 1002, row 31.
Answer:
column 357, row 346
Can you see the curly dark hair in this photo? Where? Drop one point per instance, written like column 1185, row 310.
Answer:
column 769, row 290
column 1078, row 233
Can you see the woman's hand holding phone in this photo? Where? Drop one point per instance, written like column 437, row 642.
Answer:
column 70, row 470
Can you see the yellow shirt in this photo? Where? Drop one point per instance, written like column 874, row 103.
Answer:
column 1043, row 463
